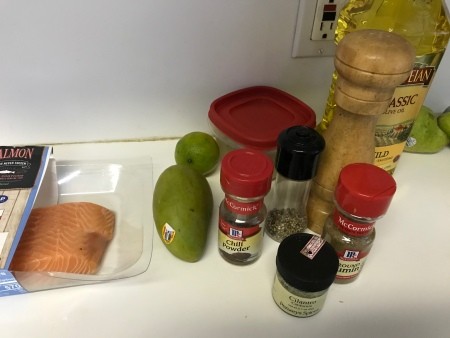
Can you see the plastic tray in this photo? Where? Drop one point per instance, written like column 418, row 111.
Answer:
column 126, row 188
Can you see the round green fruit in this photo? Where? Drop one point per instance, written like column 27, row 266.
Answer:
column 444, row 121
column 199, row 151
column 426, row 137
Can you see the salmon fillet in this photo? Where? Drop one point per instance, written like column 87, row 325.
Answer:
column 69, row 237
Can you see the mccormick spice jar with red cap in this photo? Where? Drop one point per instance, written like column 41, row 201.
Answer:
column 362, row 196
column 245, row 178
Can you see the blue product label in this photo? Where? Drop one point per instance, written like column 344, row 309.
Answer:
column 9, row 285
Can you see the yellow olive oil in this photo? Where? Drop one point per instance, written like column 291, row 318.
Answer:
column 425, row 24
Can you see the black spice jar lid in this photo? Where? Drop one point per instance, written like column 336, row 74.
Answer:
column 298, row 151
column 307, row 262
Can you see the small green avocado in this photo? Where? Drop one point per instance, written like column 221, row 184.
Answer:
column 426, row 137
column 182, row 210
column 444, row 121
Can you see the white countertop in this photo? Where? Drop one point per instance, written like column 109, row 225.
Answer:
column 403, row 289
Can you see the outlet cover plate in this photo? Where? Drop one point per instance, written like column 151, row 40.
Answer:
column 308, row 14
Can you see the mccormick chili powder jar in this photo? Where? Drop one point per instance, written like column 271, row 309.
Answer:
column 245, row 177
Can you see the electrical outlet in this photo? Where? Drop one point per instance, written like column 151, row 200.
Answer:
column 316, row 22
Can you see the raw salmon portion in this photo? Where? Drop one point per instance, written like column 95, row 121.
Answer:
column 69, row 237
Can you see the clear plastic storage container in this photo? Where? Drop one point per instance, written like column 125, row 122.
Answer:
column 124, row 187
column 253, row 118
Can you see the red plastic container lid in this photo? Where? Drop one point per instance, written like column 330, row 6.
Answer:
column 255, row 116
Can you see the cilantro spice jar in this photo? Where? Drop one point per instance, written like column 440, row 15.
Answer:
column 245, row 177
column 306, row 267
column 362, row 196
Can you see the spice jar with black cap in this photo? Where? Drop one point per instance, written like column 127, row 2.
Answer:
column 298, row 152
column 306, row 268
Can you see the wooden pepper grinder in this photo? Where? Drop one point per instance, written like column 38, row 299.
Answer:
column 370, row 65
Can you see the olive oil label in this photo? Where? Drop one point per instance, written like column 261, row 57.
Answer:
column 294, row 304
column 386, row 157
column 395, row 124
column 235, row 240
column 350, row 263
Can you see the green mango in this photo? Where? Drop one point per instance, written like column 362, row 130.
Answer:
column 426, row 137
column 182, row 210
column 444, row 121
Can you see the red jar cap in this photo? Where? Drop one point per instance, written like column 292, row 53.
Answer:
column 364, row 190
column 246, row 173
column 254, row 117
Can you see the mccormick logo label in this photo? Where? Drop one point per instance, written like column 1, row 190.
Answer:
column 351, row 227
column 238, row 233
column 235, row 233
column 350, row 263
column 243, row 208
column 350, row 255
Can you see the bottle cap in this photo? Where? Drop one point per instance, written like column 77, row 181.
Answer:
column 246, row 173
column 307, row 262
column 364, row 190
column 298, row 152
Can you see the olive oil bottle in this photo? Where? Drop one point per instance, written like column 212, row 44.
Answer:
column 425, row 24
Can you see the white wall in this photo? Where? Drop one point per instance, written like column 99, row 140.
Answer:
column 117, row 69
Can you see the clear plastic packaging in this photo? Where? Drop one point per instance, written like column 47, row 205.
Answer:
column 126, row 188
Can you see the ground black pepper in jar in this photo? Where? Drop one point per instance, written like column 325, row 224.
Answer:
column 298, row 151
column 245, row 177
column 362, row 196
column 306, row 267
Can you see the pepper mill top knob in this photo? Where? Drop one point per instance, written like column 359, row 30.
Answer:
column 370, row 63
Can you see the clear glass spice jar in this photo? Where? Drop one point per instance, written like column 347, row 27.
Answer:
column 245, row 177
column 362, row 196
column 306, row 267
column 298, row 150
